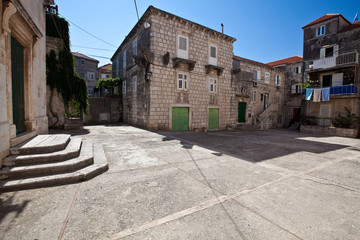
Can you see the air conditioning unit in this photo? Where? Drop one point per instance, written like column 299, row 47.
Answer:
column 278, row 87
column 255, row 84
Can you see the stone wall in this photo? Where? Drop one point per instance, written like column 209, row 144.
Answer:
column 164, row 93
column 103, row 110
column 243, row 83
column 330, row 131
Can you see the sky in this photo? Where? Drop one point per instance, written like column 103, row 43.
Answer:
column 265, row 30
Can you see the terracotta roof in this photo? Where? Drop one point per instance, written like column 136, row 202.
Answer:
column 254, row 62
column 324, row 18
column 80, row 55
column 285, row 61
column 351, row 27
column 105, row 66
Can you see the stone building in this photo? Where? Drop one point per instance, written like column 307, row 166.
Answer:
column 176, row 74
column 22, row 70
column 87, row 68
column 105, row 71
column 259, row 91
column 331, row 56
column 294, row 77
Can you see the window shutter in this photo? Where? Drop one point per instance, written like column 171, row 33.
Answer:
column 293, row 89
column 336, row 50
column 322, row 53
column 255, row 74
column 258, row 75
column 182, row 43
column 299, row 67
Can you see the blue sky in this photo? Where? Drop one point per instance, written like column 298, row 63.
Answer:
column 265, row 30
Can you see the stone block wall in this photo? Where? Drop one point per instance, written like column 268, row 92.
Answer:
column 104, row 110
column 163, row 89
column 243, row 79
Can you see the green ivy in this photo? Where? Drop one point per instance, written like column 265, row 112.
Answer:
column 108, row 83
column 60, row 68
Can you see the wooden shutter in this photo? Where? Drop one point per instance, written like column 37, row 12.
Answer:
column 322, row 53
column 336, row 50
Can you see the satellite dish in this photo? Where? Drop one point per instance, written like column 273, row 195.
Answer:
column 146, row 25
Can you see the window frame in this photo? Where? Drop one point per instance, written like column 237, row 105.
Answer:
column 82, row 62
column 181, row 53
column 124, row 87
column 320, row 31
column 213, row 60
column 267, row 77
column 184, row 81
column 88, row 74
column 213, row 84
column 277, row 80
column 253, row 96
column 134, row 83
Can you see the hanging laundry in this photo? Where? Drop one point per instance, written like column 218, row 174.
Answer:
column 325, row 94
column 317, row 94
column 309, row 92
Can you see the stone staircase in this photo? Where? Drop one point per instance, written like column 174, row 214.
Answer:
column 51, row 160
column 263, row 119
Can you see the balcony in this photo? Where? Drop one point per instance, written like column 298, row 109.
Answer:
column 335, row 61
column 340, row 90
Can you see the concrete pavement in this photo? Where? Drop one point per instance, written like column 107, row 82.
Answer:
column 275, row 184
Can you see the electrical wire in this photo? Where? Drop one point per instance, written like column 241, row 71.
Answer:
column 101, row 49
column 88, row 32
column 137, row 13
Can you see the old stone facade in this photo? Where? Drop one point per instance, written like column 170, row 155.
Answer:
column 22, row 70
column 259, row 91
column 105, row 71
column 293, row 67
column 176, row 74
column 331, row 56
column 87, row 68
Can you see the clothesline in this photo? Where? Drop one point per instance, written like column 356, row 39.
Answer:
column 317, row 93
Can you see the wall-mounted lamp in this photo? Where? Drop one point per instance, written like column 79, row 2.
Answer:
column 148, row 75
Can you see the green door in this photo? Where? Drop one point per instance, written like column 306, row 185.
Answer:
column 242, row 112
column 180, row 119
column 213, row 118
column 17, row 81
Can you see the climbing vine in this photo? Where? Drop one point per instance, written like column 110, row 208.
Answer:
column 60, row 69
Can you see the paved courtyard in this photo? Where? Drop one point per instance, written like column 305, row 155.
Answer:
column 275, row 184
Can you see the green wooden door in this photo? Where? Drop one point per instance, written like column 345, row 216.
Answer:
column 180, row 119
column 213, row 118
column 17, row 80
column 242, row 112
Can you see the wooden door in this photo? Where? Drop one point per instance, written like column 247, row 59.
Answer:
column 180, row 119
column 17, row 81
column 242, row 112
column 213, row 118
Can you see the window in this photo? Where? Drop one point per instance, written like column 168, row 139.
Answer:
column 212, row 55
column 90, row 76
column 327, row 80
column 124, row 60
column 326, row 52
column 297, row 70
column 212, row 85
column 124, row 87
column 182, row 81
column 325, row 110
column 82, row 61
column 253, row 96
column 267, row 77
column 277, row 98
column 296, row 88
column 134, row 78
column 134, row 49
column 256, row 75
column 183, row 47
column 277, row 80
column 320, row 31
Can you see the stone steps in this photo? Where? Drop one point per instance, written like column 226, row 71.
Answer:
column 42, row 144
column 55, row 168
column 72, row 150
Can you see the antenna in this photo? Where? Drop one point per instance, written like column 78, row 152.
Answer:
column 137, row 13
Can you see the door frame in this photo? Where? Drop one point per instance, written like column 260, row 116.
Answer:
column 179, row 105
column 29, row 39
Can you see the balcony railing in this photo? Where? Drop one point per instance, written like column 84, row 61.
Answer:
column 340, row 90
column 329, row 62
